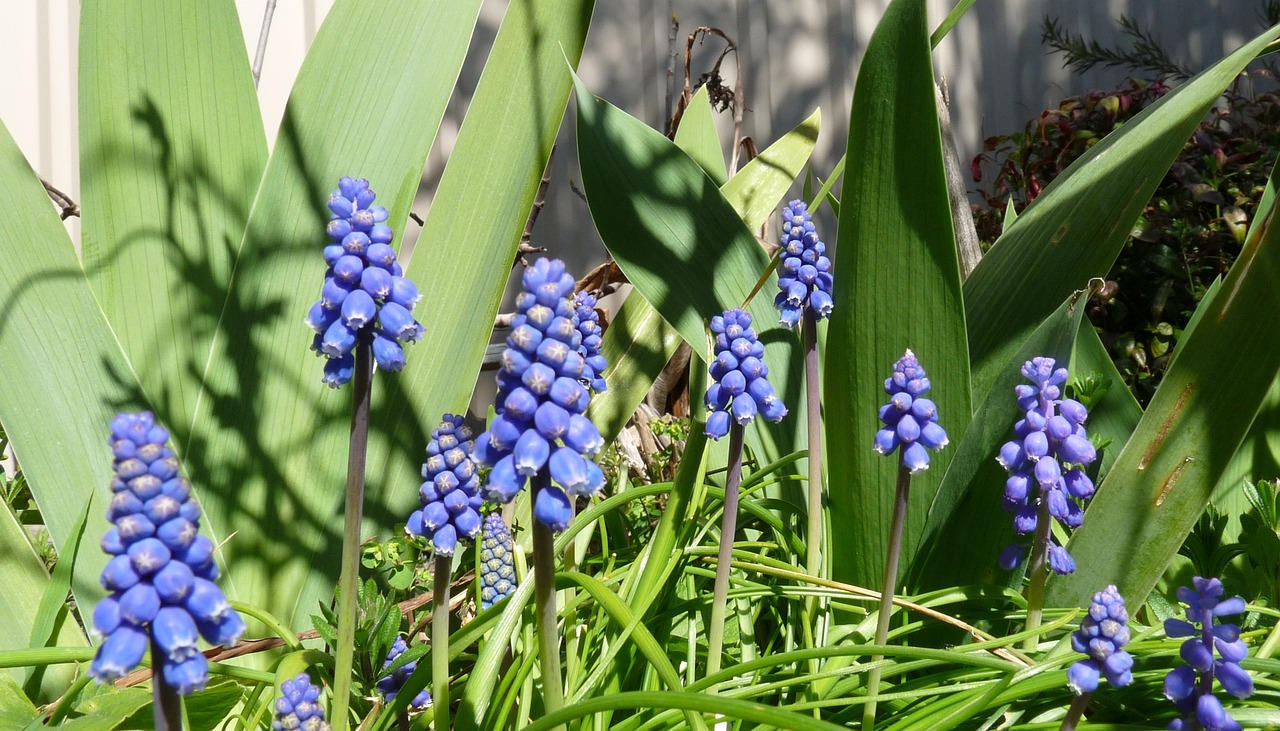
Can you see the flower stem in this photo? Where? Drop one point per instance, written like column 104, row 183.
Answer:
column 443, row 571
column 544, row 577
column 728, row 529
column 813, row 539
column 166, row 705
column 1074, row 713
column 349, row 580
column 900, row 496
column 1039, row 573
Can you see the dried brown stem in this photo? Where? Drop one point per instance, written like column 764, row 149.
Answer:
column 66, row 207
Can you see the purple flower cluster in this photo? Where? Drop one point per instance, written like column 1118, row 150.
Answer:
column 162, row 571
column 1046, row 461
column 389, row 686
column 740, row 386
column 1194, row 695
column 450, row 495
column 366, row 297
column 804, row 275
column 1102, row 636
column 298, row 707
column 497, row 562
column 910, row 420
column 588, row 322
column 540, row 404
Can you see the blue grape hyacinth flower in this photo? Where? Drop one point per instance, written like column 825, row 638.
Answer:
column 588, row 322
column 1046, row 461
column 540, row 403
column 389, row 686
column 804, row 272
column 450, row 493
column 497, row 562
column 910, row 420
column 1190, row 686
column 298, row 707
column 365, row 297
column 161, row 574
column 1102, row 636
column 740, row 386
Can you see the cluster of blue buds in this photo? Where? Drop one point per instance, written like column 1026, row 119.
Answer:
column 910, row 420
column 298, row 706
column 1102, row 636
column 389, row 686
column 450, row 495
column 1194, row 697
column 1046, row 461
column 804, row 275
column 740, row 385
column 366, row 296
column 540, row 426
column 588, row 321
column 162, row 571
column 497, row 562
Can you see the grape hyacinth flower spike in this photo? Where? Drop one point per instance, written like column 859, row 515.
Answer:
column 911, row 428
column 450, row 494
column 497, row 562
column 161, row 575
column 1046, row 463
column 298, row 707
column 540, row 431
column 739, row 390
column 740, row 386
column 391, row 683
column 587, row 321
column 366, row 299
column 910, row 420
column 804, row 272
column 450, row 511
column 1190, row 686
column 541, row 435
column 1102, row 636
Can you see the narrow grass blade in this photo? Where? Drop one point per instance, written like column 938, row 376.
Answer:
column 53, row 619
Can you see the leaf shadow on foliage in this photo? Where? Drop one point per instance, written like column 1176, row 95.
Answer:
column 229, row 322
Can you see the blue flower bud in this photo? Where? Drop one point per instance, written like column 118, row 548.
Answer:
column 119, row 653
column 552, row 508
column 189, row 675
column 387, row 353
column 139, row 604
column 389, row 686
column 803, row 281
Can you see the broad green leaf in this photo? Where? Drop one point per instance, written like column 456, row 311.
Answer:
column 25, row 580
column 16, row 710
column 897, row 288
column 172, row 151
column 698, row 137
column 268, row 449
column 681, row 243
column 1117, row 413
column 1076, row 227
column 471, row 234
column 1197, row 419
column 107, row 710
column 209, row 709
column 637, row 345
column 53, row 620
column 638, row 342
column 965, row 529
column 64, row 373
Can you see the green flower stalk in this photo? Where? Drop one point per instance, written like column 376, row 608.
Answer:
column 910, row 428
column 541, row 436
column 739, row 390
